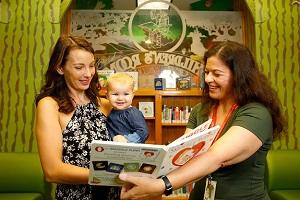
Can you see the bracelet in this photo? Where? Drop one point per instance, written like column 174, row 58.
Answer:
column 168, row 185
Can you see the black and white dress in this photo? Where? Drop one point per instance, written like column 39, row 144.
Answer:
column 86, row 124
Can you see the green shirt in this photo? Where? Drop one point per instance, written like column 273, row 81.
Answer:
column 244, row 180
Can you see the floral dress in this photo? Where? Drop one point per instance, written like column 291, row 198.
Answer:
column 86, row 124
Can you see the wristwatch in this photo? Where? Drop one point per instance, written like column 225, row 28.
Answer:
column 168, row 185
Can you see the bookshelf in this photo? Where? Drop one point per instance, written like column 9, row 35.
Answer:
column 167, row 132
column 163, row 133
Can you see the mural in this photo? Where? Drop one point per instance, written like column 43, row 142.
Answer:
column 155, row 42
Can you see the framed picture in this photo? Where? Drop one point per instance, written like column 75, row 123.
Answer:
column 147, row 108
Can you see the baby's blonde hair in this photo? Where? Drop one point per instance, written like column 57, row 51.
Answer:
column 120, row 77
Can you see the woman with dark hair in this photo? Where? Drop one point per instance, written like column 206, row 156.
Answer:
column 238, row 97
column 69, row 115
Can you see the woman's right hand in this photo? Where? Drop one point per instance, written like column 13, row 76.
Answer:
column 143, row 188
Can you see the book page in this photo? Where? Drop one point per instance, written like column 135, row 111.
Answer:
column 181, row 151
column 202, row 127
column 108, row 159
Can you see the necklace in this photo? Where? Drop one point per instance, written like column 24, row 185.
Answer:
column 228, row 115
column 78, row 103
column 74, row 102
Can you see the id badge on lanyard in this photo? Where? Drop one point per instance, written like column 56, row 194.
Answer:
column 210, row 189
column 211, row 185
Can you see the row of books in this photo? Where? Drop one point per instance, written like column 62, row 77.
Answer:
column 174, row 114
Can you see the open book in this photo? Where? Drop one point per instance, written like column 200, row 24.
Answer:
column 109, row 158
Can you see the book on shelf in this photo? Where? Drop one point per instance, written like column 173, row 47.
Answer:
column 109, row 158
column 135, row 76
column 159, row 83
column 147, row 108
column 183, row 83
column 174, row 114
column 103, row 76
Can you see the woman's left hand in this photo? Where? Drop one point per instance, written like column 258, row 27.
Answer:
column 141, row 187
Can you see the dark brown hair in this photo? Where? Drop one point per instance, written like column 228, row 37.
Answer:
column 55, row 85
column 250, row 85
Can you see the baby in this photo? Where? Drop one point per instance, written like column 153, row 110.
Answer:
column 125, row 123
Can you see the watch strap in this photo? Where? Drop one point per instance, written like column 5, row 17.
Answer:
column 168, row 185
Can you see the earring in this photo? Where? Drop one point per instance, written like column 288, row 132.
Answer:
column 60, row 71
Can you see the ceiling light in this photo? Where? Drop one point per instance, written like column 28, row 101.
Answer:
column 158, row 5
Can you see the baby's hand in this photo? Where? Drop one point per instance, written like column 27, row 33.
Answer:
column 120, row 138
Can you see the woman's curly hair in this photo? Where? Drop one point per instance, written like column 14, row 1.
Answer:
column 250, row 85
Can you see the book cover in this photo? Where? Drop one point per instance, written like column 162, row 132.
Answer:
column 103, row 76
column 183, row 83
column 108, row 158
column 159, row 83
column 135, row 76
column 147, row 108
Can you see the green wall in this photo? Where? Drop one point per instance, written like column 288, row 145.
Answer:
column 277, row 24
column 29, row 28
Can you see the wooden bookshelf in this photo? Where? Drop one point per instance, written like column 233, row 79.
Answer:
column 163, row 133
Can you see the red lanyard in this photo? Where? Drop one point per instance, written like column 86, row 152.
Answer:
column 228, row 115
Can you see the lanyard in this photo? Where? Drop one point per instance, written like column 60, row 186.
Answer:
column 228, row 115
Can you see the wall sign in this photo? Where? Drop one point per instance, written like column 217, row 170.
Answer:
column 152, row 41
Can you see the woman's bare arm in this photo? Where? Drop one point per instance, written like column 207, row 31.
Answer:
column 49, row 139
